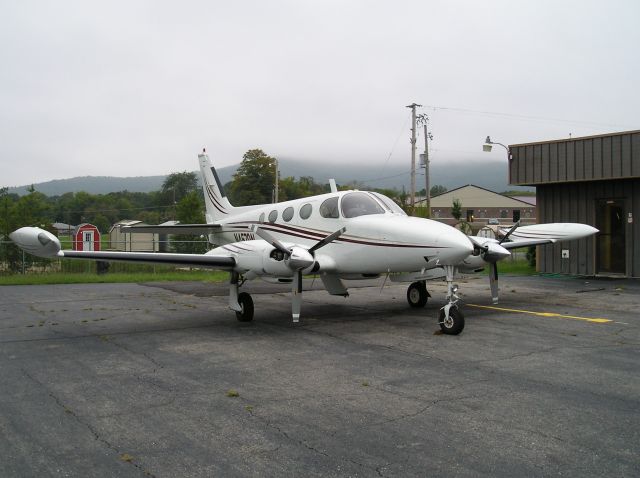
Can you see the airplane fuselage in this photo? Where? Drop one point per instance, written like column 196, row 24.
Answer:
column 375, row 242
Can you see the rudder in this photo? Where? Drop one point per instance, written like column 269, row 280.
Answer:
column 217, row 204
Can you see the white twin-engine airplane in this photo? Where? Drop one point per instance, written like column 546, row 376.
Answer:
column 339, row 235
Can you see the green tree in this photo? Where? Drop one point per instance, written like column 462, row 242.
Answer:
column 190, row 210
column 177, row 185
column 437, row 190
column 456, row 209
column 254, row 180
column 32, row 209
column 456, row 212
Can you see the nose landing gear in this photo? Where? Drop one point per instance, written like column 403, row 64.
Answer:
column 451, row 320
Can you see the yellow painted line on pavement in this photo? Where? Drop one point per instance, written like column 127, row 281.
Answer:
column 544, row 314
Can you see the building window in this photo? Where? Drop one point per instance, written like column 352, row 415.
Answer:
column 516, row 215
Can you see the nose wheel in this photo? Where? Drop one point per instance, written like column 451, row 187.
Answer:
column 451, row 320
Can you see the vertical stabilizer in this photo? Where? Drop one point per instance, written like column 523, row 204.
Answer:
column 218, row 206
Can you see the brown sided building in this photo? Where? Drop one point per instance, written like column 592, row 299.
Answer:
column 592, row 180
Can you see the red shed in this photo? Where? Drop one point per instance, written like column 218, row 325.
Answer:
column 86, row 237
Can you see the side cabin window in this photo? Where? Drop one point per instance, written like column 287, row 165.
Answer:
column 305, row 211
column 273, row 216
column 359, row 204
column 287, row 214
column 329, row 208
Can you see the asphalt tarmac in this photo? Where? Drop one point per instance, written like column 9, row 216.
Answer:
column 161, row 380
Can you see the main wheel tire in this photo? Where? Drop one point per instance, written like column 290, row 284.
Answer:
column 246, row 303
column 454, row 324
column 417, row 294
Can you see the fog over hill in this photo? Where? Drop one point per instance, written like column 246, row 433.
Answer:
column 490, row 175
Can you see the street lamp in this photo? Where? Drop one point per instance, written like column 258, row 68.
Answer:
column 488, row 144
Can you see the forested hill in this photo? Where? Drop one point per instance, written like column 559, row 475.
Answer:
column 490, row 175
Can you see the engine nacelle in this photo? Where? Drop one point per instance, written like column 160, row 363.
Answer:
column 37, row 241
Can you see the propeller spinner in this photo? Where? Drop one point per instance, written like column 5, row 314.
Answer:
column 492, row 252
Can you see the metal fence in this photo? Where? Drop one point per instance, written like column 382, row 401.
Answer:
column 13, row 260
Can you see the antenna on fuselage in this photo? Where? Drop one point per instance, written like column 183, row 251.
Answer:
column 332, row 184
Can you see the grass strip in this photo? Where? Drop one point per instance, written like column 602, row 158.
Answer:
column 118, row 277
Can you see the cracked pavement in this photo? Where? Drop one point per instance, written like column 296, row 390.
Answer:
column 133, row 380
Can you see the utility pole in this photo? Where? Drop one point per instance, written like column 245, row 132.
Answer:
column 275, row 190
column 412, row 197
column 424, row 119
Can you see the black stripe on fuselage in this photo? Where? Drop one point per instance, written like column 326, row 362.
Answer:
column 313, row 235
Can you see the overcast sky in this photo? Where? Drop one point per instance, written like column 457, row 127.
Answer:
column 133, row 88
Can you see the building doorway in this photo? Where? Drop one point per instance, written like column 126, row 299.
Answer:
column 87, row 243
column 610, row 242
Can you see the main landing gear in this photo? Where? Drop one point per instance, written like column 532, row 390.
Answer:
column 241, row 303
column 417, row 294
column 451, row 319
column 246, row 305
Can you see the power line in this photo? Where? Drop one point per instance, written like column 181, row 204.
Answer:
column 395, row 143
column 386, row 177
column 525, row 117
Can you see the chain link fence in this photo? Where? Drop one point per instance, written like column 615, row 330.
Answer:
column 13, row 260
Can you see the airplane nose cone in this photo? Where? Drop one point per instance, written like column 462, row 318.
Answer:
column 458, row 245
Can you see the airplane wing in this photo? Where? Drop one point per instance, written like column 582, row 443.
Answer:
column 197, row 229
column 538, row 234
column 199, row 260
column 42, row 243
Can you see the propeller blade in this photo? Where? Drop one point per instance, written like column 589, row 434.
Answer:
column 493, row 281
column 506, row 236
column 296, row 296
column 330, row 238
column 270, row 239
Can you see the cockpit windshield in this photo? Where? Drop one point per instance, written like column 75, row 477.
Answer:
column 389, row 203
column 359, row 204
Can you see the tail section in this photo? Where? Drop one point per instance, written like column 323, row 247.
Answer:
column 218, row 206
